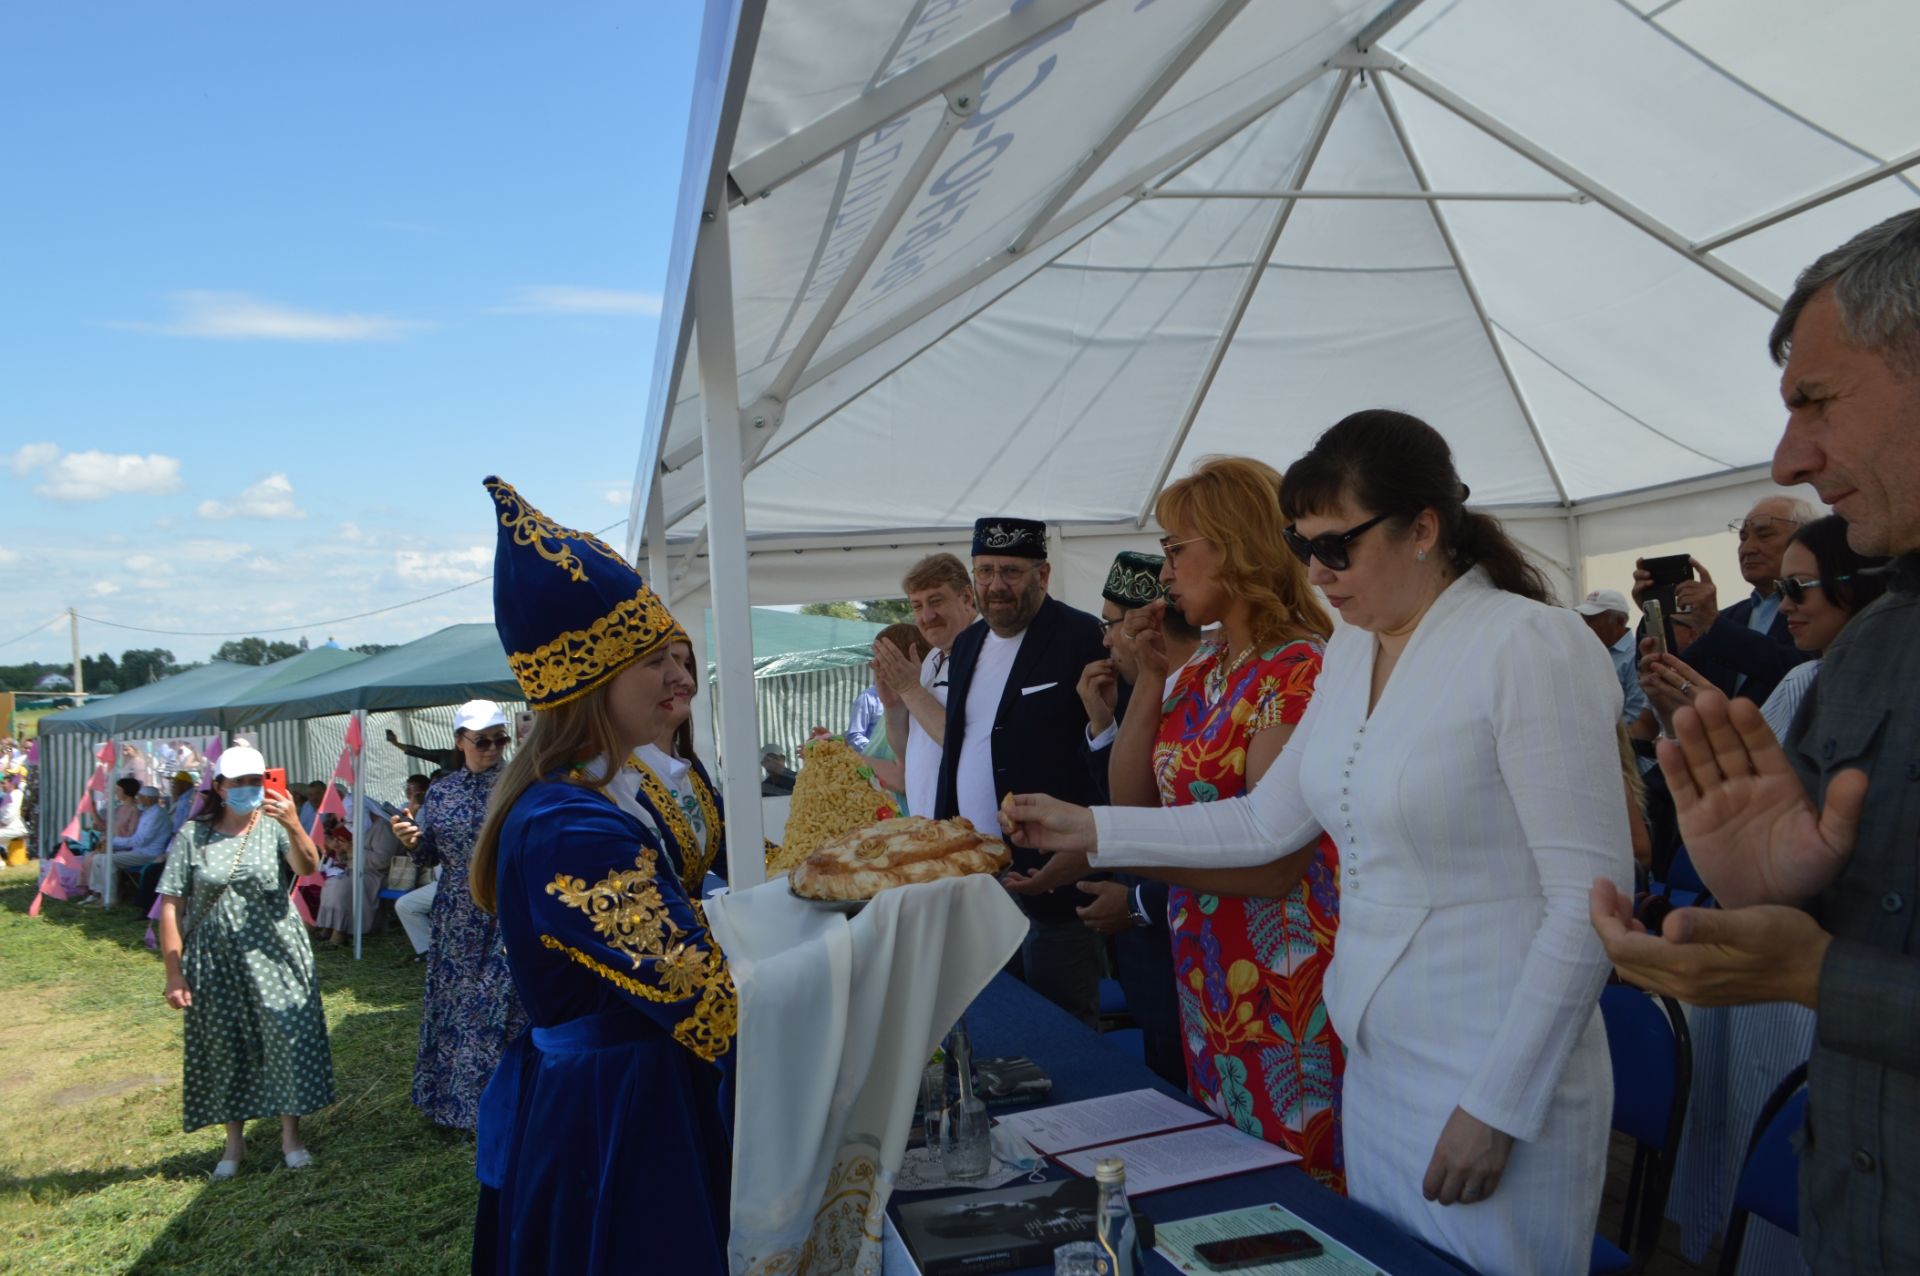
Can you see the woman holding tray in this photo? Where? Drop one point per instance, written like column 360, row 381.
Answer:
column 605, row 1143
column 1460, row 750
column 1250, row 945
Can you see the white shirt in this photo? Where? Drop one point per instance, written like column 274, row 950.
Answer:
column 673, row 773
column 922, row 759
column 978, row 798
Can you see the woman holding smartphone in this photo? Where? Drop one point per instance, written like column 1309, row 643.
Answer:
column 1460, row 750
column 240, row 965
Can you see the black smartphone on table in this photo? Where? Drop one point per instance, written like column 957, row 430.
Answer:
column 1254, row 1251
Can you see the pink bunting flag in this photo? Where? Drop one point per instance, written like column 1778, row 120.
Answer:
column 329, row 805
column 62, row 877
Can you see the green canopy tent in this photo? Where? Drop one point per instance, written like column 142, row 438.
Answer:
column 456, row 664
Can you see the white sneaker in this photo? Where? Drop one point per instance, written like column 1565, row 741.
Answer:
column 225, row 1170
column 299, row 1159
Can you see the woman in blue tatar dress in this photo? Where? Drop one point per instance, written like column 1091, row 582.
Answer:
column 605, row 1142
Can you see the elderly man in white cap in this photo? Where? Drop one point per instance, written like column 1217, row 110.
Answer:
column 1605, row 611
column 147, row 846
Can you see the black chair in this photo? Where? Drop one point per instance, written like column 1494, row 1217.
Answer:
column 1769, row 1183
column 1652, row 1057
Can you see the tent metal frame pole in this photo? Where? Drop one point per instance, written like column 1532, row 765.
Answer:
column 1430, row 197
column 1473, row 290
column 1576, row 555
column 360, row 824
column 659, row 571
column 839, row 128
column 113, row 817
column 1614, row 202
column 1182, row 61
column 1390, row 17
column 1248, row 286
column 721, row 429
column 1845, row 186
column 963, row 99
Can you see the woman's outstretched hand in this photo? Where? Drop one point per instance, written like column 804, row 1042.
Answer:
column 1042, row 823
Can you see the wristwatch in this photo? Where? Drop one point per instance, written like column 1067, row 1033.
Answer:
column 1136, row 914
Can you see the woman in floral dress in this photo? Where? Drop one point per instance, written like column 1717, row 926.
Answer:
column 1250, row 946
column 469, row 1011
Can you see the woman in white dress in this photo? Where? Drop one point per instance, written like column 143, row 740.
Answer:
column 1460, row 749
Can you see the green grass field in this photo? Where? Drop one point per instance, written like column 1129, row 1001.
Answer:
column 96, row 1175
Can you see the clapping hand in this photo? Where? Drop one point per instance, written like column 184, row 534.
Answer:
column 893, row 670
column 1754, row 836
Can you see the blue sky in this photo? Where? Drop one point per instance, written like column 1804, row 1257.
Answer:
column 284, row 282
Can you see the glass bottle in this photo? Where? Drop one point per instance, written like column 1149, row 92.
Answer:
column 1113, row 1222
column 966, row 1148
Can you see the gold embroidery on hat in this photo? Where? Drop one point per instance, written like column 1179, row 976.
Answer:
column 579, row 660
column 544, row 536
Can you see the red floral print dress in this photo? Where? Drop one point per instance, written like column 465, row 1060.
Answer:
column 1260, row 1052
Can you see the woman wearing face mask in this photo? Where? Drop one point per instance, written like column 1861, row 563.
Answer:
column 1460, row 750
column 1250, row 945
column 468, row 1012
column 604, row 1135
column 239, row 963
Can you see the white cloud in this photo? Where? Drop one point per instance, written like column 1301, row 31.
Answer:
column 271, row 497
column 447, row 567
column 234, row 316
column 103, row 588
column 149, row 565
column 8, row 557
column 569, row 299
column 92, row 476
column 620, row 494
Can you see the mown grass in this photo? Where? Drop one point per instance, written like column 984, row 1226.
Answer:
column 96, row 1175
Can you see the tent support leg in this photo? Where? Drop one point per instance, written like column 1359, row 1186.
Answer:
column 360, row 823
column 658, row 573
column 1264, row 254
column 720, row 427
column 1441, row 224
column 106, row 845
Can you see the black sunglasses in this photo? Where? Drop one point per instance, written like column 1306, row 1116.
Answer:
column 1795, row 591
column 1329, row 547
column 488, row 742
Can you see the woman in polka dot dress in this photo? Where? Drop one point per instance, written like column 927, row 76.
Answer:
column 240, row 965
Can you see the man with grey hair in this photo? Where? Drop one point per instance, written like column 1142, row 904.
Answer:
column 1813, row 848
column 1745, row 650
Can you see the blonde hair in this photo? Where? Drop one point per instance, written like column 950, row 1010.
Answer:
column 561, row 737
column 1234, row 501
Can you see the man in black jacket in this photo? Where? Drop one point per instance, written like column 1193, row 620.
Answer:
column 1015, row 724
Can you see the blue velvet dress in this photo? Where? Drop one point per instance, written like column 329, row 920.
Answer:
column 606, row 1132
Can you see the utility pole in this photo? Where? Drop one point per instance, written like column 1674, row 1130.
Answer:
column 79, row 678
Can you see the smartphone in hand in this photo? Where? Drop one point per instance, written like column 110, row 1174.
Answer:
column 1657, row 626
column 275, row 781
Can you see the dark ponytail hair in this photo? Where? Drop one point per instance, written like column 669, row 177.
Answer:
column 1389, row 462
column 212, row 804
column 1826, row 539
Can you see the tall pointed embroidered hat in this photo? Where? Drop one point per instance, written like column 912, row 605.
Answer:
column 570, row 611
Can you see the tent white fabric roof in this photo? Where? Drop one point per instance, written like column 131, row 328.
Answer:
column 993, row 258
column 965, row 257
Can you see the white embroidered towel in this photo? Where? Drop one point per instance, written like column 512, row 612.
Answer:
column 837, row 1018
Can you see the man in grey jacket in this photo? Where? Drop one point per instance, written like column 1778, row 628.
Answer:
column 1814, row 847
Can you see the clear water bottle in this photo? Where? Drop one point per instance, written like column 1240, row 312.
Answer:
column 1115, row 1232
column 966, row 1145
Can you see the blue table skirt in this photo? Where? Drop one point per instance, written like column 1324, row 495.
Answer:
column 1010, row 1019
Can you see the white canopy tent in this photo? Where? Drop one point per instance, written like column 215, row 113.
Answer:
column 958, row 257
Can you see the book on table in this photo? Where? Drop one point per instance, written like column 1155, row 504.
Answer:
column 1002, row 1230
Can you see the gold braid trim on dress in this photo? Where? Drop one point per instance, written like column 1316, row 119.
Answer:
column 630, row 915
column 579, row 660
column 696, row 858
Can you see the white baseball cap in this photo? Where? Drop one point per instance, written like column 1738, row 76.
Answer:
column 478, row 715
column 1601, row 601
column 241, row 759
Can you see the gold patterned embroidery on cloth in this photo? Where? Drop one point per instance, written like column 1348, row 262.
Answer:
column 695, row 859
column 840, row 1224
column 544, row 536
column 630, row 915
column 580, row 659
column 716, row 830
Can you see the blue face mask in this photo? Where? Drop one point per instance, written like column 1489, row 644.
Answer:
column 246, row 800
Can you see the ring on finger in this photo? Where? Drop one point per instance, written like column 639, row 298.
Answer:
column 1686, row 688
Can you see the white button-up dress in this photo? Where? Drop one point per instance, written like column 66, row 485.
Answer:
column 1473, row 808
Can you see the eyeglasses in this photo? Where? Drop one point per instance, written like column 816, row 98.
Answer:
column 1172, row 548
column 1329, row 547
column 1008, row 575
column 1795, row 591
column 488, row 743
column 1763, row 527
